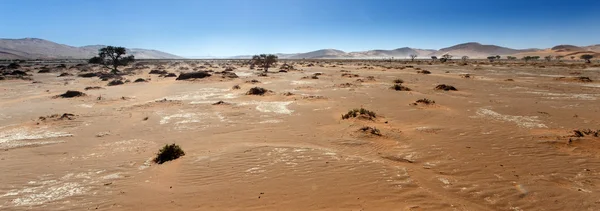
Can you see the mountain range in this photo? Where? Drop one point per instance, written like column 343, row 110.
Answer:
column 34, row 48
column 470, row 49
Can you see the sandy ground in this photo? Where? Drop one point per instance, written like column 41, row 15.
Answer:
column 492, row 145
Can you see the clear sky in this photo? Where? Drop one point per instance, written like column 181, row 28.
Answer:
column 238, row 27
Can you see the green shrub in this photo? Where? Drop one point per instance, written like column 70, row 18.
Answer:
column 168, row 153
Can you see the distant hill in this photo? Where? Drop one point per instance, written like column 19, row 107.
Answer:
column 476, row 50
column 34, row 48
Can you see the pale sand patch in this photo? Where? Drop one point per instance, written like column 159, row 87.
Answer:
column 23, row 136
column 521, row 121
column 271, row 107
column 565, row 96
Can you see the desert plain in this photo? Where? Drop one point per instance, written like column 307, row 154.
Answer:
column 512, row 136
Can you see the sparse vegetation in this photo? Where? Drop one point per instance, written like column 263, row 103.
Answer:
column 445, row 87
column 586, row 132
column 360, row 113
column 371, row 130
column 424, row 101
column 115, row 83
column 426, row 72
column 192, row 75
column 71, row 94
column 257, row 91
column 399, row 87
column 236, row 87
column 398, row 81
column 168, row 153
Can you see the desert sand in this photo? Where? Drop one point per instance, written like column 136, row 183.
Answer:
column 503, row 141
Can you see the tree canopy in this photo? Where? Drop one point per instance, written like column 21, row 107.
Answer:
column 112, row 57
column 265, row 61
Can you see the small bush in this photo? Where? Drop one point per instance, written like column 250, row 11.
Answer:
column 257, row 91
column 64, row 74
column 168, row 153
column 426, row 72
column 236, row 87
column 359, row 112
column 371, row 130
column 88, row 75
column 253, row 81
column 200, row 74
column 115, row 83
column 158, row 72
column 71, row 94
column 139, row 80
column 424, row 101
column 399, row 87
column 398, row 81
column 586, row 132
column 93, row 87
column 445, row 87
column 221, row 103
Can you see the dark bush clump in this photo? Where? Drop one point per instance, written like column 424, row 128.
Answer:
column 71, row 94
column 424, row 101
column 359, row 112
column 115, row 83
column 424, row 72
column 221, row 103
column 445, row 87
column 88, row 75
column 169, row 75
column 236, row 87
column 253, row 81
column 398, row 81
column 13, row 66
column 139, row 80
column 168, row 153
column 93, row 87
column 586, row 132
column 45, row 70
column 257, row 91
column 199, row 74
column 18, row 73
column 65, row 74
column 584, row 79
column 399, row 87
column 371, row 130
column 158, row 72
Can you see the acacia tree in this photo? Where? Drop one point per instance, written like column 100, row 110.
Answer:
column 412, row 57
column 445, row 57
column 465, row 58
column 498, row 57
column 548, row 58
column 527, row 58
column 265, row 61
column 491, row 58
column 511, row 58
column 112, row 57
column 558, row 58
column 587, row 58
column 434, row 58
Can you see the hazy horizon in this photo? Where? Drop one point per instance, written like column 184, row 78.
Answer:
column 237, row 27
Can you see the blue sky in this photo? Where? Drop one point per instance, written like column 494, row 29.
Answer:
column 237, row 27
